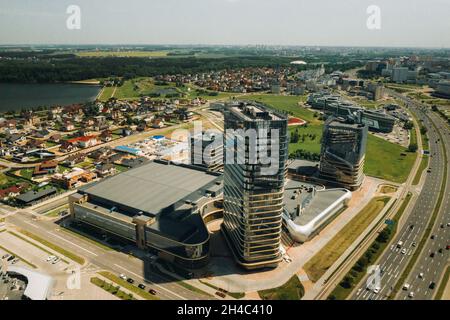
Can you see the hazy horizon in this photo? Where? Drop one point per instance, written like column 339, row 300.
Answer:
column 322, row 23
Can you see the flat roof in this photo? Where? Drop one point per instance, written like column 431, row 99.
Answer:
column 151, row 187
column 318, row 204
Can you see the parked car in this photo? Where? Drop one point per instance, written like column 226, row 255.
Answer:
column 6, row 256
column 50, row 258
column 12, row 257
column 15, row 261
column 220, row 294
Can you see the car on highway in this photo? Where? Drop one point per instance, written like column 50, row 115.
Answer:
column 442, row 226
column 129, row 280
column 411, row 294
column 448, row 224
column 406, row 286
column 440, row 250
column 152, row 291
column 432, row 255
column 432, row 237
column 141, row 286
column 432, row 285
column 421, row 275
column 123, row 277
column 448, row 247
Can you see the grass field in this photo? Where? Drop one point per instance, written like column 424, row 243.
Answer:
column 289, row 104
column 122, row 54
column 385, row 160
column 291, row 290
column 325, row 258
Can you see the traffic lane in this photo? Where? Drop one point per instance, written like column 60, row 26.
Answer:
column 389, row 259
column 96, row 255
column 430, row 268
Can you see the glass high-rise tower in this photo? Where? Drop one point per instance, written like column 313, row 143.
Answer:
column 343, row 153
column 253, row 187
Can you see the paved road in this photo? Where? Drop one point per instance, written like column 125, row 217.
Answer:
column 393, row 261
column 432, row 268
column 101, row 259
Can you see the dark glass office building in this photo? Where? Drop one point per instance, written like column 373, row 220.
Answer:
column 343, row 153
column 253, row 194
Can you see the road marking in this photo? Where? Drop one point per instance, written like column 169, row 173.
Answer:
column 73, row 244
column 156, row 285
column 32, row 224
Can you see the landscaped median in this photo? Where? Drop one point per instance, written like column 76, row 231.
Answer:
column 358, row 270
column 291, row 290
column 330, row 253
column 17, row 256
column 144, row 294
column 443, row 285
column 114, row 290
column 422, row 167
column 50, row 245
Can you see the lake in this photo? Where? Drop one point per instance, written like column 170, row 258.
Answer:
column 15, row 96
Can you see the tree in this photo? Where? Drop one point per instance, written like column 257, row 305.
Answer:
column 412, row 147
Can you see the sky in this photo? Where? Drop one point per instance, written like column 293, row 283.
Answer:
column 404, row 23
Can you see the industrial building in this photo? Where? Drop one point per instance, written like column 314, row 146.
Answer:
column 343, row 153
column 253, row 201
column 156, row 206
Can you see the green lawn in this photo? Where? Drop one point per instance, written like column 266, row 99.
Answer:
column 385, row 160
column 309, row 144
column 422, row 167
column 291, row 290
column 327, row 256
column 289, row 104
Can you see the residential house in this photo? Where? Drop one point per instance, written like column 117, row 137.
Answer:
column 75, row 159
column 105, row 169
column 46, row 167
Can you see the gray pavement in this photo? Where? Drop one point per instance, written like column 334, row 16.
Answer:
column 394, row 261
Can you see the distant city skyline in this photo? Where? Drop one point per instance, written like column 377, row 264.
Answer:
column 413, row 23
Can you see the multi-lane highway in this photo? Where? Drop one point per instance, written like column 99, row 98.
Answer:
column 434, row 258
column 394, row 261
